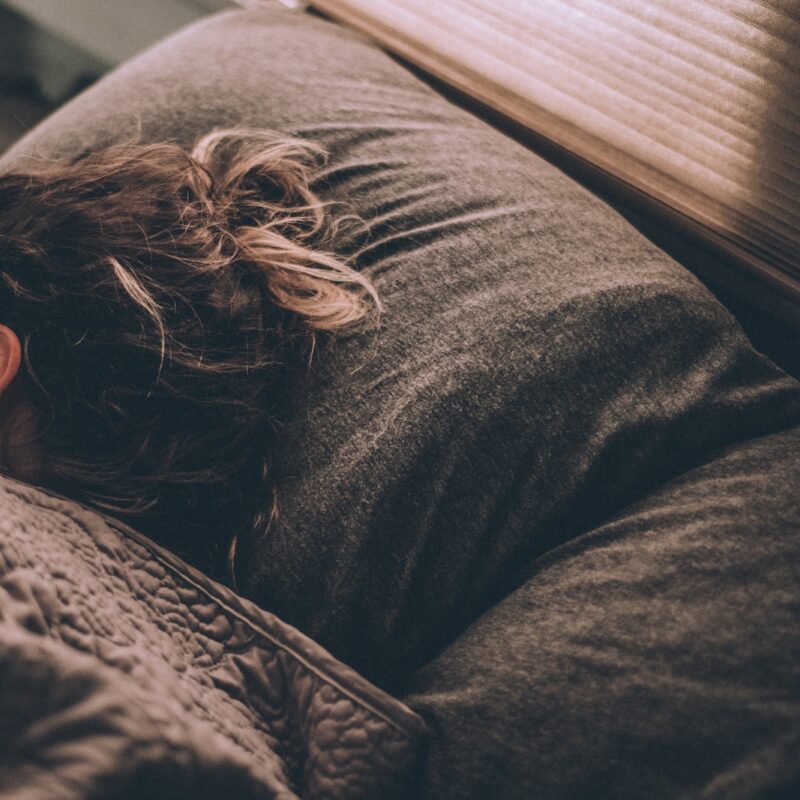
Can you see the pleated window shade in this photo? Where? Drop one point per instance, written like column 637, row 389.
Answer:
column 694, row 103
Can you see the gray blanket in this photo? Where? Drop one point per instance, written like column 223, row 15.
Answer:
column 655, row 657
column 126, row 675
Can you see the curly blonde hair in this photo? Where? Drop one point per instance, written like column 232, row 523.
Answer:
column 166, row 299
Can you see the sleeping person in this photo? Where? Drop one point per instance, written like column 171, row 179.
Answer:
column 156, row 305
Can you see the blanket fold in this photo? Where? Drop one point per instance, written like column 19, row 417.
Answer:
column 127, row 674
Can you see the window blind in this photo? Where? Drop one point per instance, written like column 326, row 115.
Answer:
column 695, row 104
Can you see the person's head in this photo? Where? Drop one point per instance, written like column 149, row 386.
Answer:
column 154, row 305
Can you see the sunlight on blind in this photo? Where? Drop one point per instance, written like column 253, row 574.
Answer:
column 692, row 103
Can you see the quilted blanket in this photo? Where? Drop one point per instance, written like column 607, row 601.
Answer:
column 124, row 673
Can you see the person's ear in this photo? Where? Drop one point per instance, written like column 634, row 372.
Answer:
column 10, row 356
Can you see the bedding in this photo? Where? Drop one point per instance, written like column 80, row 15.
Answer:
column 126, row 674
column 539, row 365
column 653, row 657
column 540, row 368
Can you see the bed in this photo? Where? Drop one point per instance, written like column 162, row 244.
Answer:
column 539, row 534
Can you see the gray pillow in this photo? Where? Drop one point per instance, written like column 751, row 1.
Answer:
column 540, row 365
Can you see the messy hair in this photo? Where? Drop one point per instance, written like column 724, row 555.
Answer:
column 166, row 299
